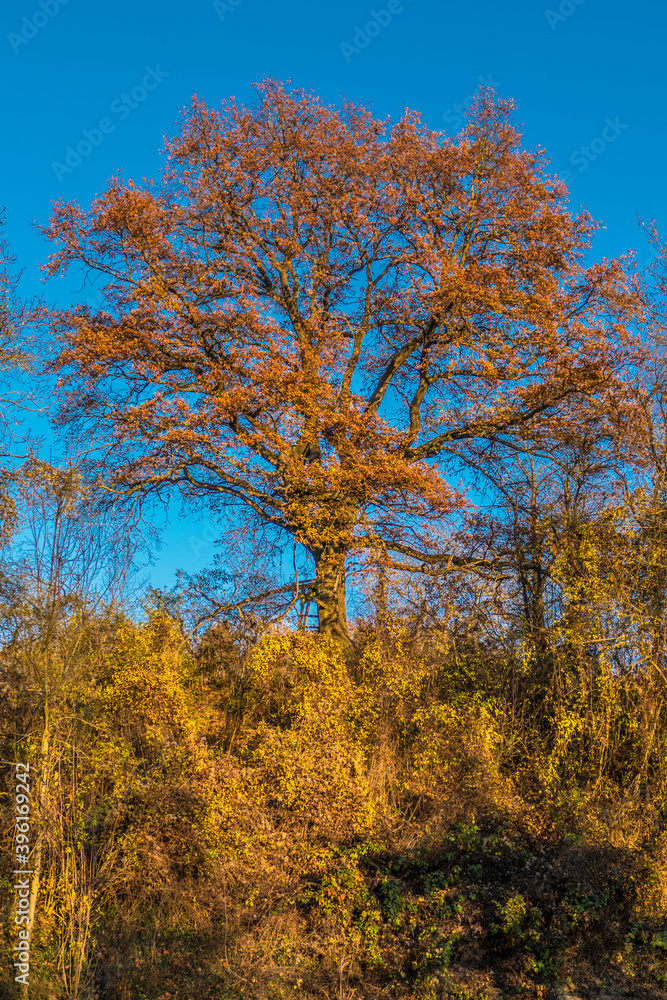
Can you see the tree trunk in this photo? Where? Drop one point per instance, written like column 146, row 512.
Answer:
column 329, row 595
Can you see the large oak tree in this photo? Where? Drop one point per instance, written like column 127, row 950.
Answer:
column 313, row 311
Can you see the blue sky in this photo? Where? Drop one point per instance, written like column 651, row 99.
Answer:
column 111, row 79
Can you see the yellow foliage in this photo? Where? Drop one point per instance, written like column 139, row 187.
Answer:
column 142, row 688
column 456, row 752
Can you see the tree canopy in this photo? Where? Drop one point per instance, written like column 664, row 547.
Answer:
column 315, row 311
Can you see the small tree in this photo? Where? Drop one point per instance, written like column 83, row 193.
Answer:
column 65, row 567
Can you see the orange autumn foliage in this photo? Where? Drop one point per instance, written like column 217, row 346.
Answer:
column 315, row 309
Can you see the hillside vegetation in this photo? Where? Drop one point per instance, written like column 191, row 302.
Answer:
column 413, row 817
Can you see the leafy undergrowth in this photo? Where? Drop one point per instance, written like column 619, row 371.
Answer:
column 307, row 824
